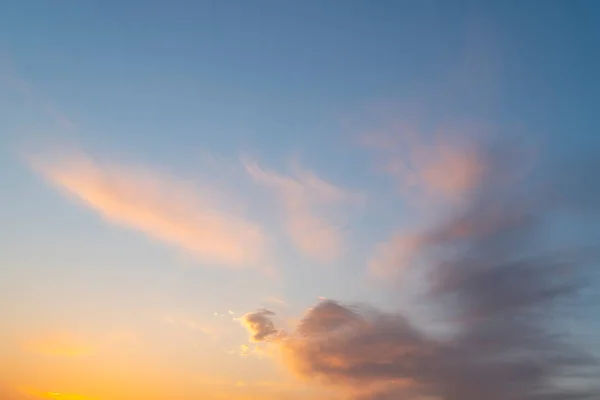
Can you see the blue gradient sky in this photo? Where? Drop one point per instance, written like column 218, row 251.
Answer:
column 190, row 88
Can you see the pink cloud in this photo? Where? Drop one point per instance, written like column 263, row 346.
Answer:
column 160, row 206
column 306, row 200
column 395, row 254
column 435, row 175
column 445, row 167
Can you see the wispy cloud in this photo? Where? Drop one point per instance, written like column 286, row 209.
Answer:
column 306, row 200
column 446, row 166
column 436, row 175
column 275, row 300
column 28, row 100
column 394, row 254
column 160, row 206
column 179, row 320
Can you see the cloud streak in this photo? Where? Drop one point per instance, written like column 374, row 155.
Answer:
column 159, row 206
column 306, row 200
column 498, row 287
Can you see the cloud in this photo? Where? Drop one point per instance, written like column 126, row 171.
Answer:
column 500, row 289
column 446, row 167
column 275, row 300
column 449, row 177
column 394, row 254
column 159, row 206
column 259, row 325
column 306, row 200
column 449, row 170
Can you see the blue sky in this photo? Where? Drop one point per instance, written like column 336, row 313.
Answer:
column 263, row 111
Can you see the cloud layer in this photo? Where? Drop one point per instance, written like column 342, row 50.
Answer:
column 498, row 287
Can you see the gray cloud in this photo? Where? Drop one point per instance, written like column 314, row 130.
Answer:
column 259, row 325
column 500, row 287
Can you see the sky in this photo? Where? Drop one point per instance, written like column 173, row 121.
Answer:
column 390, row 200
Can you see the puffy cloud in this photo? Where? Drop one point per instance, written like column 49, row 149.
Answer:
column 159, row 206
column 326, row 316
column 306, row 199
column 499, row 288
column 259, row 325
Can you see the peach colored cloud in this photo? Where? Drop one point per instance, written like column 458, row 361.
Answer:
column 443, row 171
column 306, row 200
column 393, row 254
column 445, row 166
column 448, row 170
column 159, row 206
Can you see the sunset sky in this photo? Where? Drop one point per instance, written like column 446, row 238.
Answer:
column 341, row 200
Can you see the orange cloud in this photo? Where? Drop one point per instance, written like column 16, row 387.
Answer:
column 305, row 199
column 159, row 206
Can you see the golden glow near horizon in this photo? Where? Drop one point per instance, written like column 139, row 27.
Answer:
column 56, row 395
